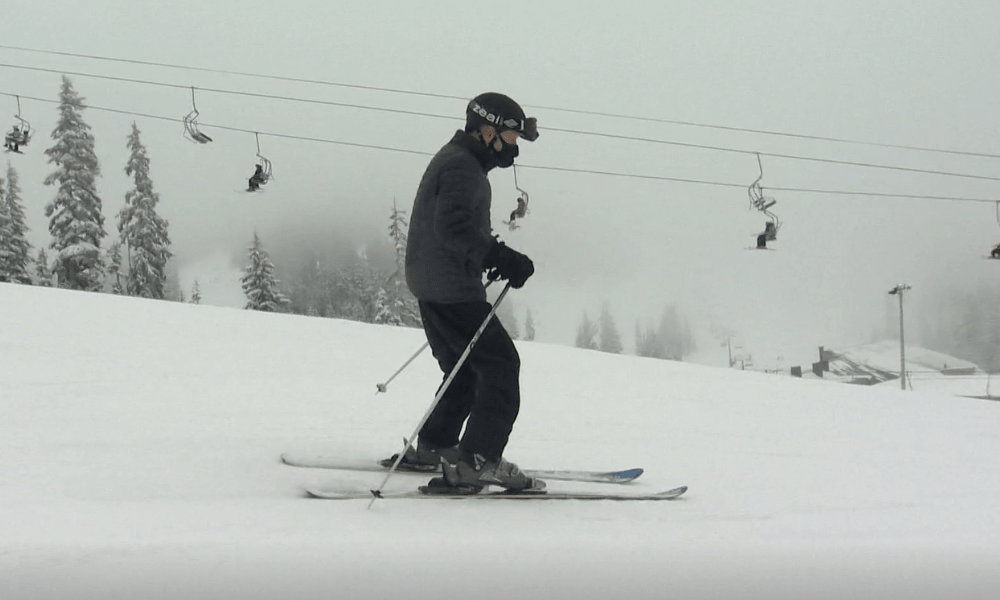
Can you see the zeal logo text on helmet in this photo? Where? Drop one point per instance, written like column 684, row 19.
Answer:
column 502, row 112
column 494, row 119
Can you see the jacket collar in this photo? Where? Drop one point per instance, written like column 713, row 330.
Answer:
column 476, row 147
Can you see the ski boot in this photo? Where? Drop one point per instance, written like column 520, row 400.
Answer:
column 425, row 457
column 472, row 473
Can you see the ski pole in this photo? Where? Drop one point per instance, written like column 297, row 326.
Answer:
column 377, row 492
column 382, row 387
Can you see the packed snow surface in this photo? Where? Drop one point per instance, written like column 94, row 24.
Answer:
column 139, row 445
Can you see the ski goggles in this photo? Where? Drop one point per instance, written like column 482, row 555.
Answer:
column 526, row 128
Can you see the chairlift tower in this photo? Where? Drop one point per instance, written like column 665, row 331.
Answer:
column 898, row 291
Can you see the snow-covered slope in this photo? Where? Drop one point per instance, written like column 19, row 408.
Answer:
column 139, row 444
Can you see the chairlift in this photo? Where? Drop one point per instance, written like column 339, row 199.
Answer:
column 522, row 205
column 20, row 134
column 191, row 131
column 763, row 204
column 262, row 170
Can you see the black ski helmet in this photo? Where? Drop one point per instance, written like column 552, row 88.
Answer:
column 501, row 112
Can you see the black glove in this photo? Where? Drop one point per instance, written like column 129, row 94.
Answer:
column 504, row 263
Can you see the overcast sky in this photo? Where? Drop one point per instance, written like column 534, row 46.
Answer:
column 916, row 73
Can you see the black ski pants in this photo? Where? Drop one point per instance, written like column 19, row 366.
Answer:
column 485, row 391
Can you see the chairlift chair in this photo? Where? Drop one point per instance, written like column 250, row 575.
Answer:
column 20, row 134
column 191, row 131
column 262, row 170
column 263, row 162
column 522, row 205
column 763, row 204
column 756, row 192
column 265, row 168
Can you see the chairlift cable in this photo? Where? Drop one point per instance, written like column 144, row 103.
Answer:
column 553, row 129
column 774, row 154
column 230, row 92
column 640, row 176
column 649, row 119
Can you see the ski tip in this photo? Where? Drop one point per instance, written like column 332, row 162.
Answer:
column 626, row 475
column 336, row 494
column 674, row 493
column 311, row 493
column 292, row 460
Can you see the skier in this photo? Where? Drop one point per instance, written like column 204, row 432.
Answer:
column 519, row 212
column 257, row 179
column 995, row 252
column 14, row 139
column 770, row 233
column 449, row 247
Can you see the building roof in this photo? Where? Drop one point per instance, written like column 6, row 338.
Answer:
column 926, row 370
column 883, row 357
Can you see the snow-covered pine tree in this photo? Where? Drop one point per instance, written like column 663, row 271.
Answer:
column 357, row 287
column 651, row 344
column 143, row 231
column 384, row 310
column 195, row 293
column 586, row 334
column 259, row 285
column 403, row 304
column 610, row 339
column 397, row 233
column 6, row 237
column 115, row 268
column 529, row 326
column 75, row 219
column 307, row 293
column 43, row 274
column 15, row 256
column 674, row 334
column 646, row 343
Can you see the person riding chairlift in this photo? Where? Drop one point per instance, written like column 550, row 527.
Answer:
column 16, row 138
column 258, row 179
column 770, row 234
column 519, row 212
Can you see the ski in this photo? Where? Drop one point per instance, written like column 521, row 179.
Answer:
column 335, row 493
column 322, row 461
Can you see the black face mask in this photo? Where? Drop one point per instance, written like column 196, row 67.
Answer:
column 506, row 154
